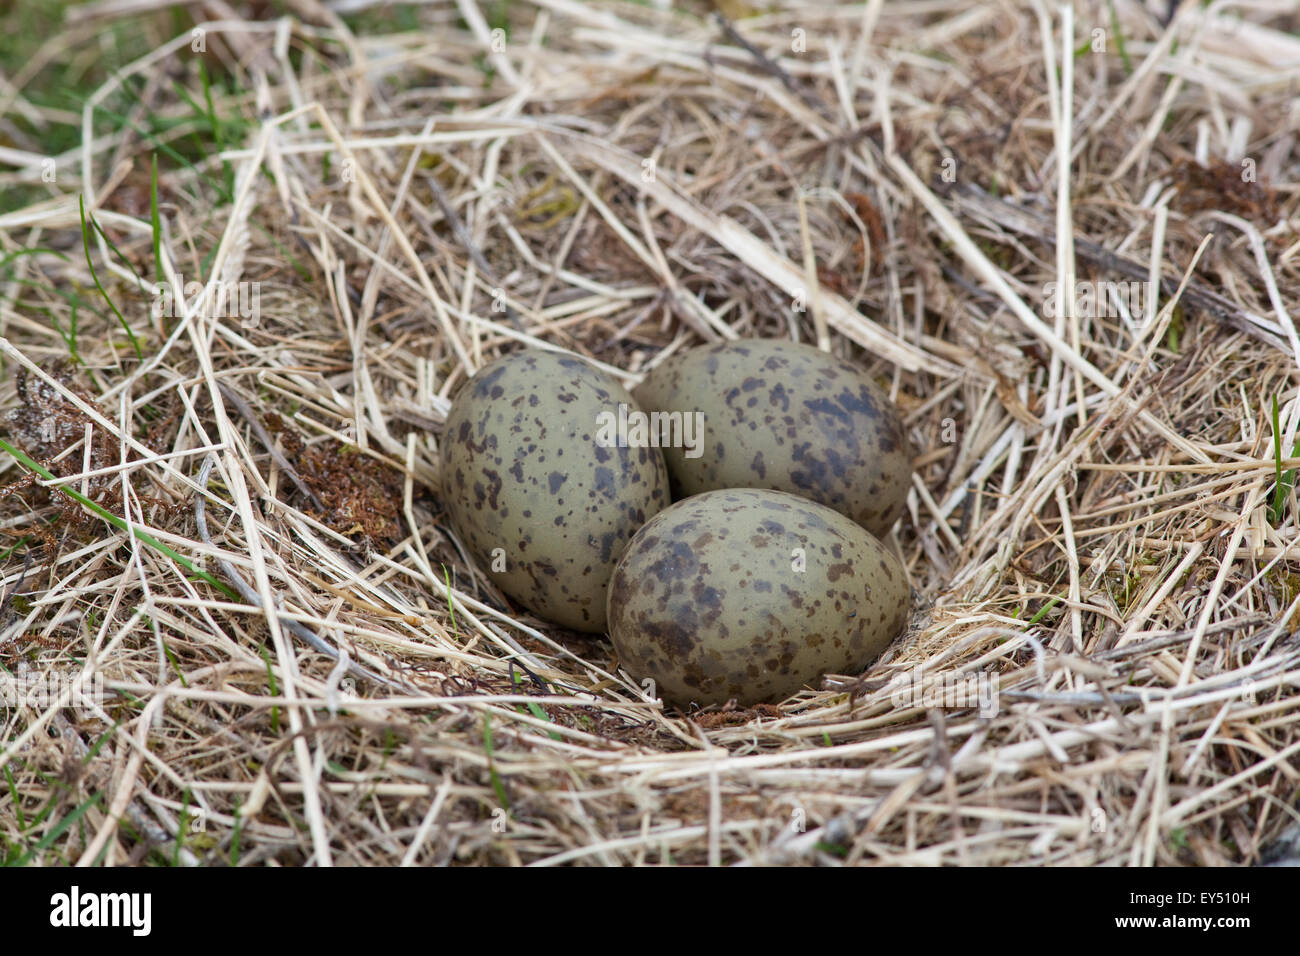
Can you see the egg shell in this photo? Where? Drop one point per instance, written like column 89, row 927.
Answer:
column 750, row 595
column 542, row 506
column 787, row 417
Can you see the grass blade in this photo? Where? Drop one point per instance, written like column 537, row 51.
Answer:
column 85, row 243
column 117, row 522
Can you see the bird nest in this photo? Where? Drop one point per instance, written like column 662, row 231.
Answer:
column 244, row 270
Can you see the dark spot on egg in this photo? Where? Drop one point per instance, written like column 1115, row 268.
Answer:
column 522, row 439
column 796, row 419
column 757, row 631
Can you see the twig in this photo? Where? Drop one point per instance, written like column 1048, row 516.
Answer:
column 767, row 63
column 979, row 204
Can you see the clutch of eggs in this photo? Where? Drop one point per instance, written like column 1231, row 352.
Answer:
column 765, row 574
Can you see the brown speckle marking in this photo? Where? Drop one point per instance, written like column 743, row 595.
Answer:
column 796, row 419
column 534, row 413
column 755, row 632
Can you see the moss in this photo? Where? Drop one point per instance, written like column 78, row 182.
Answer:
column 1286, row 583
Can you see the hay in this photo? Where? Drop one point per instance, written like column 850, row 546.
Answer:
column 1101, row 667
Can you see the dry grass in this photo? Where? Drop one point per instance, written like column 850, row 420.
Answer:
column 1092, row 533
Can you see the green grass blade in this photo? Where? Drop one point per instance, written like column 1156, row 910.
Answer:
column 85, row 243
column 533, row 707
column 155, row 219
column 90, row 754
column 234, row 837
column 1119, row 38
column 446, row 575
column 183, row 824
column 1042, row 611
column 117, row 522
column 1285, row 480
column 13, row 795
column 59, row 829
column 275, row 690
column 35, row 250
column 497, row 785
column 1275, row 511
column 171, row 657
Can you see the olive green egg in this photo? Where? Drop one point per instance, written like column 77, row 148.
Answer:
column 537, row 487
column 750, row 595
column 786, row 417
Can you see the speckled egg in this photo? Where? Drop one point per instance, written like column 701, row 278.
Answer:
column 537, row 492
column 786, row 417
column 751, row 595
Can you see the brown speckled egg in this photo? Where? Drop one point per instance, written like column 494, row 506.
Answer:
column 533, row 490
column 751, row 595
column 786, row 417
